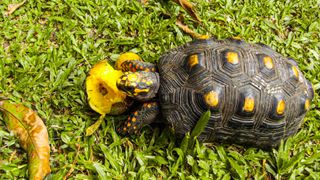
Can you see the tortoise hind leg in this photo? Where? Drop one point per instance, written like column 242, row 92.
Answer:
column 145, row 114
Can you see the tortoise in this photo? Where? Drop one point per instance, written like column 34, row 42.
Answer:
column 256, row 96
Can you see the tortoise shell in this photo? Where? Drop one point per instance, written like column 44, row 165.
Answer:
column 256, row 96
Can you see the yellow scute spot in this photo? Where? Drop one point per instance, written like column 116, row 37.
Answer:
column 232, row 57
column 193, row 60
column 307, row 104
column 103, row 76
column 248, row 104
column 212, row 98
column 295, row 71
column 281, row 107
column 129, row 56
column 267, row 61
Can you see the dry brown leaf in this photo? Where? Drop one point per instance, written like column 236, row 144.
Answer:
column 185, row 4
column 143, row 1
column 13, row 7
column 32, row 134
column 189, row 31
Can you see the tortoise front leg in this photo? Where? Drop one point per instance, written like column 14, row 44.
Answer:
column 145, row 114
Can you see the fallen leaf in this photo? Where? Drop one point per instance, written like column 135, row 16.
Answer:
column 185, row 4
column 189, row 31
column 13, row 7
column 91, row 129
column 32, row 134
column 144, row 2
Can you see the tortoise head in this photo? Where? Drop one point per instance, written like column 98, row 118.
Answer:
column 141, row 85
column 140, row 79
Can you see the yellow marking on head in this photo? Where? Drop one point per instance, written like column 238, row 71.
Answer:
column 140, row 90
column 281, row 107
column 124, row 78
column 267, row 61
column 232, row 57
column 132, row 77
column 126, row 57
column 129, row 124
column 212, row 98
column 248, row 104
column 135, row 113
column 134, row 119
column 193, row 60
column 134, row 127
column 153, row 69
column 307, row 104
column 149, row 105
column 149, row 83
column 295, row 71
column 147, row 70
column 124, row 129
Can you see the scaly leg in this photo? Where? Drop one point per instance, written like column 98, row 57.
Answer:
column 145, row 114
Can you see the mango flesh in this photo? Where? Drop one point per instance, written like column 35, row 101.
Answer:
column 103, row 95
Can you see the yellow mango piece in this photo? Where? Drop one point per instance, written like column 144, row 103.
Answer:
column 101, row 88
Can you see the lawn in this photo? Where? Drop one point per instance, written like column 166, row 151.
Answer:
column 47, row 49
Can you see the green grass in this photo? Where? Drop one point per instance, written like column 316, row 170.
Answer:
column 47, row 48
